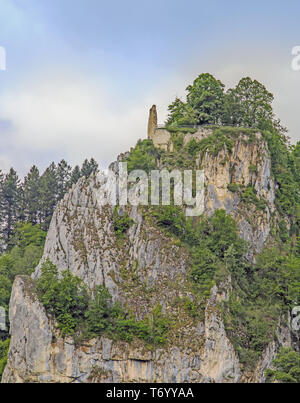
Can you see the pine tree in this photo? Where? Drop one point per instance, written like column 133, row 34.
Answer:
column 31, row 191
column 49, row 196
column 75, row 176
column 204, row 103
column 249, row 104
column 10, row 206
column 63, row 173
column 1, row 210
column 89, row 167
column 206, row 98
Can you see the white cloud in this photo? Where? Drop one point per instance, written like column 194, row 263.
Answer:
column 73, row 117
column 5, row 163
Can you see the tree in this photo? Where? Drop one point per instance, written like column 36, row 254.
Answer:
column 177, row 112
column 224, row 233
column 249, row 104
column 27, row 250
column 89, row 167
column 10, row 204
column 1, row 209
column 204, row 103
column 75, row 176
column 4, row 346
column 31, row 194
column 205, row 97
column 99, row 310
column 287, row 367
column 27, row 234
column 295, row 162
column 144, row 156
column 48, row 192
column 231, row 110
column 65, row 297
column 63, row 174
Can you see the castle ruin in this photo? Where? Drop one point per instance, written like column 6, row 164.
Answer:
column 161, row 136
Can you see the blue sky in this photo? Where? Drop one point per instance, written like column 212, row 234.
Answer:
column 82, row 74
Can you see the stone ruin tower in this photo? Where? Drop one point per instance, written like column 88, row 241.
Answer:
column 152, row 122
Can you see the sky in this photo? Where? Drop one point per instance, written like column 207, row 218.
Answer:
column 81, row 75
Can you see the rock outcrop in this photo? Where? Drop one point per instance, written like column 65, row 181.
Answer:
column 248, row 164
column 152, row 122
column 146, row 269
column 38, row 353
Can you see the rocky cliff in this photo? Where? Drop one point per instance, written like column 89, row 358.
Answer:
column 145, row 269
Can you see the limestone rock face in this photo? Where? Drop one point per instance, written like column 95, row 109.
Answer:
column 145, row 269
column 39, row 354
column 81, row 235
column 248, row 164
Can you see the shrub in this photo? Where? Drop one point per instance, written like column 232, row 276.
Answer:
column 253, row 169
column 170, row 218
column 143, row 156
column 192, row 147
column 66, row 297
column 224, row 233
column 99, row 312
column 287, row 367
column 77, row 311
column 4, row 346
column 233, row 187
column 204, row 266
column 27, row 248
column 249, row 196
column 121, row 223
column 178, row 140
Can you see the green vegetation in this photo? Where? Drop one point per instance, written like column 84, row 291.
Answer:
column 247, row 105
column 86, row 314
column 27, row 248
column 177, row 140
column 35, row 199
column 284, row 168
column 204, row 101
column 253, row 169
column 153, row 330
column 121, row 223
column 261, row 292
column 287, row 367
column 26, row 251
column 234, row 187
column 221, row 137
column 66, row 298
column 249, row 196
column 245, row 109
column 212, row 242
column 172, row 219
column 26, row 210
column 4, row 346
column 182, row 130
column 144, row 156
column 212, row 144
